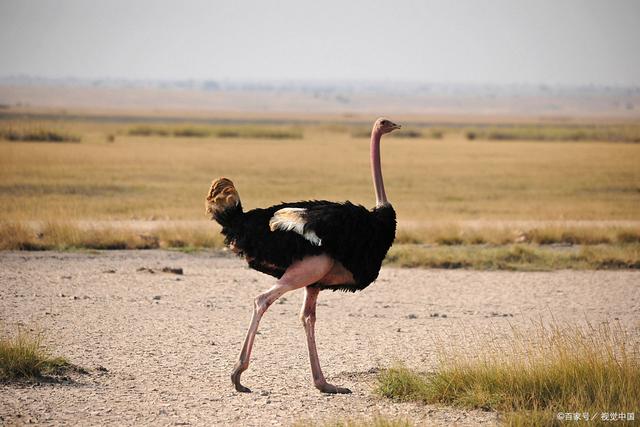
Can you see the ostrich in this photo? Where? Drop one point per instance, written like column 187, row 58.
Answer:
column 314, row 245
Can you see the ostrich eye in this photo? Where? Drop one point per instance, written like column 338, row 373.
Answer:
column 385, row 122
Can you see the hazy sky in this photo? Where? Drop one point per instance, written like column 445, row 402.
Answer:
column 510, row 41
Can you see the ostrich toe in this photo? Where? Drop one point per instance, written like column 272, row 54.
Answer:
column 235, row 379
column 331, row 389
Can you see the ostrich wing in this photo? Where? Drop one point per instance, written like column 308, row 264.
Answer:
column 351, row 234
column 324, row 222
column 294, row 219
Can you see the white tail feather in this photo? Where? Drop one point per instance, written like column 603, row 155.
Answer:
column 291, row 219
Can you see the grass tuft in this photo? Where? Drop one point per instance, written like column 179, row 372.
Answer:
column 23, row 356
column 146, row 130
column 406, row 133
column 606, row 133
column 453, row 235
column 36, row 134
column 534, row 376
column 66, row 236
column 244, row 131
column 518, row 257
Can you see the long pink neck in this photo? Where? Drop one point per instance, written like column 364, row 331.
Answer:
column 376, row 171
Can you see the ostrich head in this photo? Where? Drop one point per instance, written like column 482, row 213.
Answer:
column 384, row 125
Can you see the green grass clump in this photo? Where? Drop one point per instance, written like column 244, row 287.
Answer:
column 146, row 130
column 240, row 131
column 259, row 133
column 37, row 135
column 533, row 376
column 23, row 356
column 606, row 133
column 409, row 133
column 191, row 132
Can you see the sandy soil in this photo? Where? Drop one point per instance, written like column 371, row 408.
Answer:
column 159, row 347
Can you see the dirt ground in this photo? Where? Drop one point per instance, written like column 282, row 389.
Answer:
column 159, row 347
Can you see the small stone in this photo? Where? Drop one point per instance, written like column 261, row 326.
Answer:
column 444, row 315
column 264, row 393
column 412, row 316
column 157, row 297
column 398, row 330
column 174, row 270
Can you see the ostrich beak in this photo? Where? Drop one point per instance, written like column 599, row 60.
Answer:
column 395, row 126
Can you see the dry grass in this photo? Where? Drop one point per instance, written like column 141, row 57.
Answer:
column 450, row 179
column 36, row 133
column 609, row 133
column 435, row 184
column 189, row 131
column 521, row 257
column 23, row 356
column 455, row 234
column 67, row 236
column 365, row 132
column 534, row 376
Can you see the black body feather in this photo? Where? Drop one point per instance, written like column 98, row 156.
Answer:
column 351, row 234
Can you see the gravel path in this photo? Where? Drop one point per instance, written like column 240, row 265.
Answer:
column 159, row 347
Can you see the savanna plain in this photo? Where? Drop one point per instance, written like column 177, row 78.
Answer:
column 511, row 295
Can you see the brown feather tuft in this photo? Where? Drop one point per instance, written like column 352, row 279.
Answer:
column 222, row 195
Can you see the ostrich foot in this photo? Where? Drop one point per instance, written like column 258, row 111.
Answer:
column 235, row 379
column 331, row 389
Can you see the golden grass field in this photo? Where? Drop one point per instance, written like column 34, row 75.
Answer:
column 445, row 186
column 448, row 179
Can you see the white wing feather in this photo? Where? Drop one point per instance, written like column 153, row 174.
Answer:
column 292, row 219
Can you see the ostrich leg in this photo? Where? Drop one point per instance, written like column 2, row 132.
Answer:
column 308, row 317
column 300, row 274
